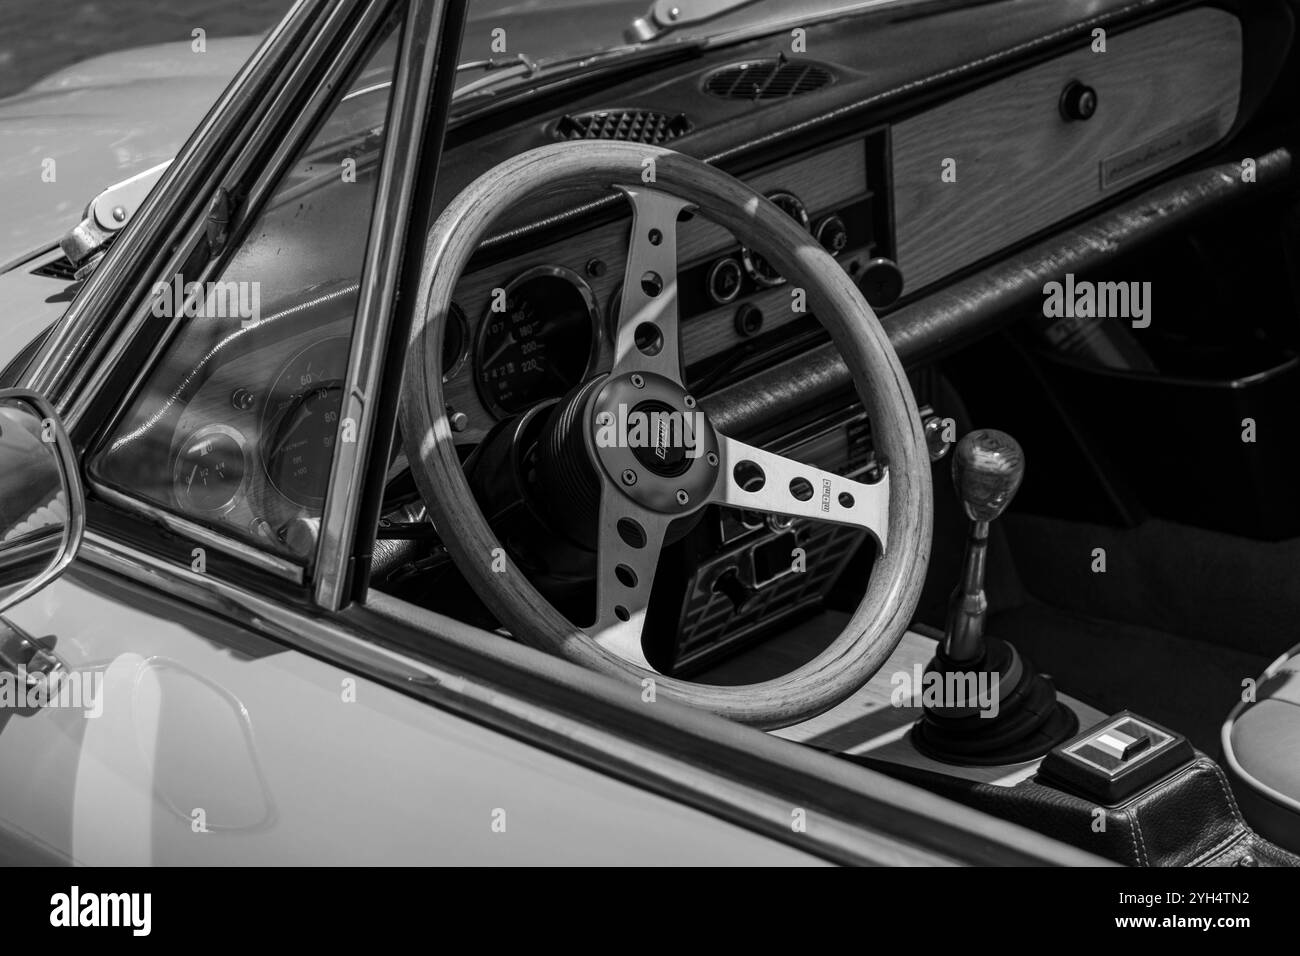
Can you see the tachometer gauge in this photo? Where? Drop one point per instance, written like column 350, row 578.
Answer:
column 759, row 269
column 540, row 344
column 209, row 469
column 300, row 422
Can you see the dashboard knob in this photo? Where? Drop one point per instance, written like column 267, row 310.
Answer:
column 933, row 429
column 1078, row 101
column 300, row 533
column 749, row 320
column 833, row 235
column 261, row 528
column 881, row 283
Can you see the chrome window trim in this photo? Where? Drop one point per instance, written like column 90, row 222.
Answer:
column 547, row 703
column 127, row 326
column 201, row 534
column 400, row 169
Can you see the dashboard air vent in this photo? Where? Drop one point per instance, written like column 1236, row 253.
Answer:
column 633, row 126
column 767, row 79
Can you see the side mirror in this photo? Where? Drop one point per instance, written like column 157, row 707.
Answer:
column 42, row 511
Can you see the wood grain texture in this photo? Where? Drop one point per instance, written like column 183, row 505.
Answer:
column 1022, row 167
column 831, row 179
column 896, row 580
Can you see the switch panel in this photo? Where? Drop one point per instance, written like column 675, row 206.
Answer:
column 1116, row 758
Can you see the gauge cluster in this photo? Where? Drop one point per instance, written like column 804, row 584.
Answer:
column 252, row 449
column 537, row 339
column 541, row 321
column 300, row 421
column 252, row 445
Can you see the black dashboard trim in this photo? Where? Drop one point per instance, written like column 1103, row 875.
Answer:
column 983, row 302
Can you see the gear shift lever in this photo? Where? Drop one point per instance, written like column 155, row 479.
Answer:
column 987, row 467
column 1017, row 716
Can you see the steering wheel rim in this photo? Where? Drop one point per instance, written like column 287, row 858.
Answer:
column 660, row 183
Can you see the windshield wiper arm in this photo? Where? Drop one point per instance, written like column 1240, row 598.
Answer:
column 495, row 70
column 566, row 68
column 493, row 63
column 665, row 16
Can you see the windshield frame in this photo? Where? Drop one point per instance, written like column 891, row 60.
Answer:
column 550, row 74
column 95, row 359
column 304, row 101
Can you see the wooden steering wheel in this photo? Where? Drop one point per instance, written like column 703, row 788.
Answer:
column 670, row 480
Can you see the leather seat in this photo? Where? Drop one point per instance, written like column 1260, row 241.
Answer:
column 1261, row 746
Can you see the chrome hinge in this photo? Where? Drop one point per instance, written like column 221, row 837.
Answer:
column 220, row 212
column 665, row 16
column 104, row 218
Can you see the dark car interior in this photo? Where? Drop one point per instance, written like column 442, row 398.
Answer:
column 1079, row 225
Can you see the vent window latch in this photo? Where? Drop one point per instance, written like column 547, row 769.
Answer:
column 86, row 243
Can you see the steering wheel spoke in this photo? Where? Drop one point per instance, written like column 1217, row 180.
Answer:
column 656, row 452
column 630, row 541
column 646, row 339
column 759, row 480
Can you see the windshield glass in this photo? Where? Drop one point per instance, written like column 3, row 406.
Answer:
column 235, row 427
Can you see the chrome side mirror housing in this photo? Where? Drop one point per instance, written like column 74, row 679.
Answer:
column 42, row 507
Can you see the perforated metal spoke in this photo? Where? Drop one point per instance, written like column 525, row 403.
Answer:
column 646, row 339
column 759, row 480
column 631, row 539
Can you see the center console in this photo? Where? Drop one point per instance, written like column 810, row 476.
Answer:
column 744, row 575
column 978, row 724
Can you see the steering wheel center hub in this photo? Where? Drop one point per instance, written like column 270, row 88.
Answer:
column 653, row 442
column 621, row 481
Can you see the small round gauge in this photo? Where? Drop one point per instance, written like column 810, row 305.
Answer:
column 759, row 269
column 540, row 345
column 209, row 469
column 300, row 421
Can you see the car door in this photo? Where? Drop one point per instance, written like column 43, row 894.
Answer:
column 238, row 703
column 195, row 735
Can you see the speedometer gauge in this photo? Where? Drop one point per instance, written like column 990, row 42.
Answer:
column 301, row 421
column 540, row 344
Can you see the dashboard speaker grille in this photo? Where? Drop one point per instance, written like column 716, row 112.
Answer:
column 767, row 79
column 633, row 126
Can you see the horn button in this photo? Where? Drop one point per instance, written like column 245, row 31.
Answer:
column 654, row 442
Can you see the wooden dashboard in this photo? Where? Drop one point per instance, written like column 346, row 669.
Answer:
column 942, row 189
column 833, row 180
column 1164, row 91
